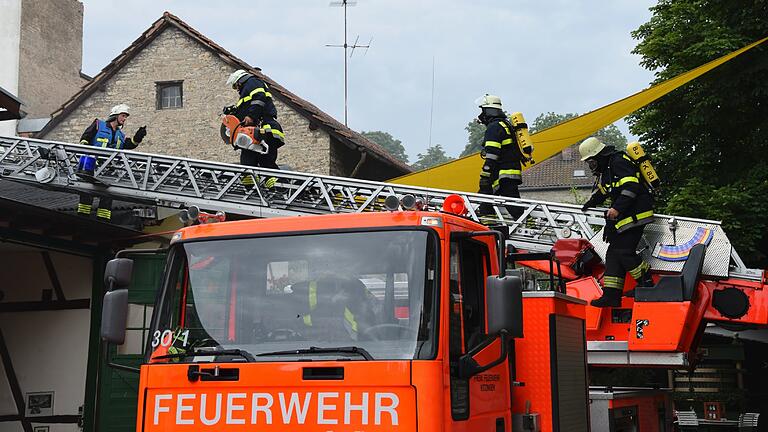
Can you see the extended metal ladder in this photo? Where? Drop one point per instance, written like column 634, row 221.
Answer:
column 180, row 182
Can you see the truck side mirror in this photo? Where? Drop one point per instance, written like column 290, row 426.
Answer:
column 504, row 299
column 114, row 315
column 118, row 273
column 114, row 312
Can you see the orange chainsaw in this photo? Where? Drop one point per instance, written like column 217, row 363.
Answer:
column 239, row 136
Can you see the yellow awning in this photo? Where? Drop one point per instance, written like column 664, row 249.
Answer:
column 463, row 174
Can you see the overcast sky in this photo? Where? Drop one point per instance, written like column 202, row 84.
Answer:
column 538, row 55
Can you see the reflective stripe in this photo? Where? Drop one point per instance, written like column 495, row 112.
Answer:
column 492, row 144
column 312, row 300
column 491, row 156
column 613, row 282
column 248, row 180
column 625, row 180
column 638, row 271
column 602, row 189
column 629, row 193
column 103, row 142
column 510, row 172
column 258, row 102
column 633, row 220
column 274, row 132
column 504, row 125
column 252, row 94
column 104, row 213
column 507, row 141
column 84, row 208
column 84, row 142
column 349, row 317
column 312, row 295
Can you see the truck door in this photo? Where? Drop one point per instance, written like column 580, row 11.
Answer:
column 482, row 402
column 118, row 389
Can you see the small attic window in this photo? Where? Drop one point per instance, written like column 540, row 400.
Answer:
column 579, row 173
column 170, row 95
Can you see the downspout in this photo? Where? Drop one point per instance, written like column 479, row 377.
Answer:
column 363, row 156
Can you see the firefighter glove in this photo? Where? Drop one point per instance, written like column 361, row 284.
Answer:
column 590, row 203
column 229, row 109
column 609, row 231
column 140, row 134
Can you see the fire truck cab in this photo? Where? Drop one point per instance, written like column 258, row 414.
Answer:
column 403, row 320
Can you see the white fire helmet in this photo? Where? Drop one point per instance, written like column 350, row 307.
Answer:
column 488, row 101
column 120, row 109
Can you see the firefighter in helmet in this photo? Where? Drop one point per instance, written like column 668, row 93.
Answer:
column 619, row 179
column 256, row 108
column 106, row 133
column 502, row 172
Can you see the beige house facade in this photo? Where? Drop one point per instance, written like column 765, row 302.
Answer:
column 173, row 78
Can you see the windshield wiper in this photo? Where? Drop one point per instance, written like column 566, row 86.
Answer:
column 321, row 350
column 219, row 352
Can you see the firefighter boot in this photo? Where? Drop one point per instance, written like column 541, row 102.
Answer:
column 645, row 281
column 611, row 298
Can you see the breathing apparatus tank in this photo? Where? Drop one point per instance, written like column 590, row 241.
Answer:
column 643, row 162
column 523, row 137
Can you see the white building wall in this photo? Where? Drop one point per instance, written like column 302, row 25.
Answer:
column 10, row 37
column 49, row 349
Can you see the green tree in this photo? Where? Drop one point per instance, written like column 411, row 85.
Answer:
column 434, row 155
column 609, row 135
column 709, row 138
column 389, row 143
column 476, row 133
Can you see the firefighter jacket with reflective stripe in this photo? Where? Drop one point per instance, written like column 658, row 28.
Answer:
column 622, row 182
column 501, row 152
column 100, row 134
column 271, row 132
column 255, row 101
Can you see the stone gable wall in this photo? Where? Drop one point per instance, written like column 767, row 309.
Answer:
column 50, row 54
column 193, row 130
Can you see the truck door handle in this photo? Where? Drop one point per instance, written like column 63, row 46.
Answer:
column 194, row 373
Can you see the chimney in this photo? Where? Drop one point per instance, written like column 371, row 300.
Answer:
column 568, row 153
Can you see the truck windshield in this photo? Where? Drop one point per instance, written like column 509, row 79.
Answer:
column 372, row 291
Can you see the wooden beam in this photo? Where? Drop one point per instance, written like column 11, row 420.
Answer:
column 45, row 306
column 55, row 419
column 53, row 276
column 13, row 383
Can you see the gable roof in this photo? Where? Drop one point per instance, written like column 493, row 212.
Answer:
column 317, row 117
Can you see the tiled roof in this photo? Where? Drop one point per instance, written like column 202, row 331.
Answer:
column 558, row 172
column 314, row 114
column 49, row 199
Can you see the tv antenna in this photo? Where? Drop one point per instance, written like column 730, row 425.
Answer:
column 346, row 46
